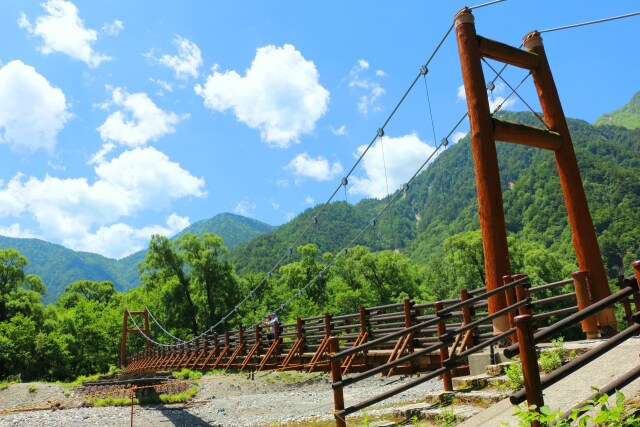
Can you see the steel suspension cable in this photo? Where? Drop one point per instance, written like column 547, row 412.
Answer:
column 344, row 181
column 161, row 327
column 597, row 21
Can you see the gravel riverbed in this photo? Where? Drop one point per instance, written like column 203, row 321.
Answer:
column 222, row 400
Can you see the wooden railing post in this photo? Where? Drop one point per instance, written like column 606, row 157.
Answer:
column 529, row 360
column 300, row 335
column 145, row 314
column 583, row 295
column 408, row 322
column 444, row 351
column 626, row 303
column 276, row 336
column 336, row 376
column 468, row 341
column 510, row 297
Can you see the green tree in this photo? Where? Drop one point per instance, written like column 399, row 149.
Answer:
column 164, row 267
column 19, row 293
column 92, row 291
column 209, row 272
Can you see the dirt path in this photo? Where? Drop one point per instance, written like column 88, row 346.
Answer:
column 222, row 400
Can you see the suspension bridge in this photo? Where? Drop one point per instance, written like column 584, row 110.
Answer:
column 435, row 339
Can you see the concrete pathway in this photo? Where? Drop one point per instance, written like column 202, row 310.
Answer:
column 573, row 389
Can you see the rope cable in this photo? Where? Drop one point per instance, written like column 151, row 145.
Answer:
column 161, row 327
column 597, row 21
column 515, row 91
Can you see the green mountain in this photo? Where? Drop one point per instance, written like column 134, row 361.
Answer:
column 442, row 202
column 234, row 229
column 59, row 267
column 627, row 116
column 438, row 204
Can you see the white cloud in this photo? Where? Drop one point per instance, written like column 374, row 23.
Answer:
column 309, row 200
column 245, row 208
column 99, row 157
column 32, row 112
column 137, row 122
column 164, row 85
column 279, row 94
column 80, row 214
column 341, row 131
column 188, row 60
column 402, row 156
column 457, row 136
column 496, row 98
column 120, row 239
column 62, row 30
column 114, row 28
column 319, row 168
column 15, row 230
column 368, row 102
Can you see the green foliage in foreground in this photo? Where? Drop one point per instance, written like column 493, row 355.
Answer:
column 187, row 374
column 548, row 360
column 598, row 413
column 146, row 400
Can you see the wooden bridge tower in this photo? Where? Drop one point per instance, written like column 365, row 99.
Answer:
column 126, row 331
column 485, row 130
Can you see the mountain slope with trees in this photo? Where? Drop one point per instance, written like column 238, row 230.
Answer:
column 426, row 247
column 628, row 116
column 442, row 203
column 59, row 267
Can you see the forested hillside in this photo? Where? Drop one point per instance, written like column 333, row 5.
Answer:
column 59, row 267
column 442, row 203
column 628, row 116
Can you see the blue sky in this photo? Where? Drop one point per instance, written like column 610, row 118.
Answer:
column 122, row 119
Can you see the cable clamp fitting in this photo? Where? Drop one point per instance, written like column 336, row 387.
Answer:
column 380, row 132
column 424, row 70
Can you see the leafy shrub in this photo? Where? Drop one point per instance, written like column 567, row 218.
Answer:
column 187, row 374
column 515, row 378
column 551, row 359
column 615, row 416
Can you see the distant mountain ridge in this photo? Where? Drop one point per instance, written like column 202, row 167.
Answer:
column 59, row 266
column 628, row 116
column 439, row 203
column 442, row 201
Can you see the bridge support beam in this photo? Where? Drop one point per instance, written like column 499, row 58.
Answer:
column 126, row 331
column 483, row 136
column 485, row 160
column 583, row 233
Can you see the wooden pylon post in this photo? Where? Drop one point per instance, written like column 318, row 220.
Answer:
column 485, row 159
column 583, row 233
column 123, row 340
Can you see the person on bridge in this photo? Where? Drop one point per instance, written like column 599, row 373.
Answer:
column 271, row 321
